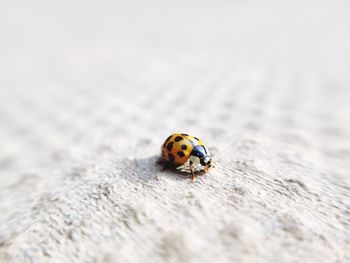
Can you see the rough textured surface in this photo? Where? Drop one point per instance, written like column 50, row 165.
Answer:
column 89, row 92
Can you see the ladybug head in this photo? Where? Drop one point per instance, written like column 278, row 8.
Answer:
column 201, row 155
column 206, row 161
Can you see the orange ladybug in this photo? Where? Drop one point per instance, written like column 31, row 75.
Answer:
column 186, row 152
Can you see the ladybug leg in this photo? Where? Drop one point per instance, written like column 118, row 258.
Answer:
column 192, row 172
column 193, row 176
column 205, row 170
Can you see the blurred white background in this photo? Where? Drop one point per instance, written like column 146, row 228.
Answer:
column 90, row 89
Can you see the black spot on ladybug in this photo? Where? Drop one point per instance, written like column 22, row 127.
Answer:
column 171, row 157
column 181, row 154
column 184, row 134
column 170, row 146
column 184, row 147
column 178, row 138
column 196, row 138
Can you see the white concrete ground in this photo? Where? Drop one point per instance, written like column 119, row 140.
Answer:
column 90, row 89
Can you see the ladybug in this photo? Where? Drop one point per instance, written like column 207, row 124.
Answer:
column 186, row 153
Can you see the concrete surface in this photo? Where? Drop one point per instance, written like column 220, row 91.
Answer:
column 90, row 89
